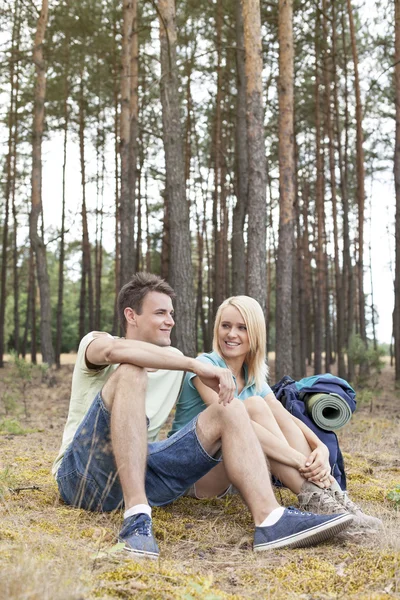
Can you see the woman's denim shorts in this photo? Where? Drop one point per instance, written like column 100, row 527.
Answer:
column 88, row 478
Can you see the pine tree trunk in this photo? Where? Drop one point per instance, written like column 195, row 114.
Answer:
column 329, row 126
column 241, row 164
column 100, row 175
column 257, row 212
column 180, row 276
column 60, row 299
column 360, row 183
column 117, row 268
column 308, row 280
column 343, row 279
column 217, row 150
column 8, row 188
column 36, row 240
column 86, row 254
column 319, row 210
column 134, row 132
column 348, row 279
column 396, row 312
column 16, row 58
column 284, row 269
column 127, row 215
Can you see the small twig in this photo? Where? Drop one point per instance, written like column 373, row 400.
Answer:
column 21, row 489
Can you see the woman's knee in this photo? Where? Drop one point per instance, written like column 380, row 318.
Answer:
column 218, row 412
column 256, row 405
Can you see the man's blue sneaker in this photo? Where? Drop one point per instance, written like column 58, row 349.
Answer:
column 137, row 535
column 296, row 529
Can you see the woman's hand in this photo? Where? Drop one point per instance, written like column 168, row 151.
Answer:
column 317, row 468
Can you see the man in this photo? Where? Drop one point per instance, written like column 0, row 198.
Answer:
column 121, row 387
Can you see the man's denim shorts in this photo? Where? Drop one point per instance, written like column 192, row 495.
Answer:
column 88, row 478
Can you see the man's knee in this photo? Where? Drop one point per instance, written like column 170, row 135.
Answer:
column 125, row 375
column 127, row 371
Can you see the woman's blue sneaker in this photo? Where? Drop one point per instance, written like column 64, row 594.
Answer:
column 296, row 529
column 137, row 535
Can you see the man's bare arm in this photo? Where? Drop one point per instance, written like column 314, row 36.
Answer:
column 104, row 350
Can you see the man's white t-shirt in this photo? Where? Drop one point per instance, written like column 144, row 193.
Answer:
column 163, row 389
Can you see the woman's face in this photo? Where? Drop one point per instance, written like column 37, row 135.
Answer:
column 233, row 338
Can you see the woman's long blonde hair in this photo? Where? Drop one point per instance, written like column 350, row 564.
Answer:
column 251, row 311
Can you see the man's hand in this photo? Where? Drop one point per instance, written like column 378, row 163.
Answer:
column 317, row 467
column 218, row 379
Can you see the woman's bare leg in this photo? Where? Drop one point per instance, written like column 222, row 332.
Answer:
column 213, row 484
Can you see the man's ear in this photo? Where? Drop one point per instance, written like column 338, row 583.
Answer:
column 130, row 315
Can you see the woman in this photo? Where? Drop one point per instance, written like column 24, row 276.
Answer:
column 297, row 457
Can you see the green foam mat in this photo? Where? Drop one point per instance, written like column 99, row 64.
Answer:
column 328, row 411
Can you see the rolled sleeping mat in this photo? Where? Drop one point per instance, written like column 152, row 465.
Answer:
column 328, row 411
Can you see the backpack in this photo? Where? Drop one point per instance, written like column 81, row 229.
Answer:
column 291, row 393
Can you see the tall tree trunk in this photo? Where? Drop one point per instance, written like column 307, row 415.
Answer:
column 218, row 192
column 348, row 279
column 60, row 299
column 100, row 175
column 10, row 170
column 319, row 210
column 257, row 211
column 117, row 268
column 36, row 240
column 341, row 286
column 309, row 293
column 360, row 182
column 241, row 163
column 86, row 254
column 8, row 187
column 396, row 312
column 16, row 58
column 331, row 145
column 181, row 277
column 127, row 213
column 284, row 269
column 134, row 125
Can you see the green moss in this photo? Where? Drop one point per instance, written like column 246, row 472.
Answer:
column 14, row 427
column 159, row 581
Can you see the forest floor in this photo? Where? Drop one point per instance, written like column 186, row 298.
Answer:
column 49, row 551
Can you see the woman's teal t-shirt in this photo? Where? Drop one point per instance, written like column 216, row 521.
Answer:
column 190, row 403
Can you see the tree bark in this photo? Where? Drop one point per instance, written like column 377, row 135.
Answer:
column 360, row 182
column 181, row 277
column 36, row 240
column 332, row 166
column 241, row 163
column 127, row 212
column 219, row 182
column 257, row 211
column 396, row 312
column 341, row 286
column 87, row 276
column 319, row 210
column 60, row 299
column 284, row 269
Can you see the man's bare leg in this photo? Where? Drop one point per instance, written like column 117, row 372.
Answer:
column 244, row 459
column 124, row 396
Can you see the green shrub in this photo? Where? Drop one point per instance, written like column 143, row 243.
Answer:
column 13, row 427
column 365, row 356
column 394, row 496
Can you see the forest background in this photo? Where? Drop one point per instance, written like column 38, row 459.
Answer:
column 232, row 148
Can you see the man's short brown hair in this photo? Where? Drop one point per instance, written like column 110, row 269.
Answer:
column 134, row 292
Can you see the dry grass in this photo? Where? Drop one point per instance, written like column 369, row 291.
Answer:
column 50, row 551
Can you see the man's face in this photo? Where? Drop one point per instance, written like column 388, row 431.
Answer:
column 155, row 322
